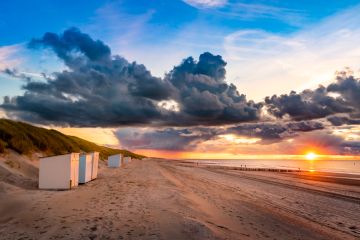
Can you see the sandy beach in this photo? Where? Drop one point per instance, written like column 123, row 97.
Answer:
column 157, row 199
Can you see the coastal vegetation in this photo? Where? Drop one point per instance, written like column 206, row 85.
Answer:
column 28, row 139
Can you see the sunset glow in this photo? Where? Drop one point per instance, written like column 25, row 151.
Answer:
column 311, row 156
column 101, row 136
column 238, row 139
column 224, row 155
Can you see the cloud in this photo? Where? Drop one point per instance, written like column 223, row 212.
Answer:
column 99, row 89
column 203, row 95
column 318, row 103
column 249, row 11
column 276, row 131
column 306, row 105
column 324, row 143
column 96, row 90
column 71, row 43
column 252, row 11
column 8, row 57
column 14, row 73
column 319, row 141
column 190, row 139
column 264, row 138
column 206, row 3
column 294, row 61
column 342, row 120
column 348, row 87
column 172, row 139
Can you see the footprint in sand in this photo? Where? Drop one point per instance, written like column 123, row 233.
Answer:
column 352, row 227
column 92, row 236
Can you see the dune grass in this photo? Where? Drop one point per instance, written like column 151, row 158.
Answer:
column 27, row 139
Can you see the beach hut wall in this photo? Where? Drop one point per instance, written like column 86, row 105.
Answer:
column 95, row 164
column 115, row 161
column 59, row 172
column 85, row 168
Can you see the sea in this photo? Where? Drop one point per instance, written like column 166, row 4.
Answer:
column 334, row 166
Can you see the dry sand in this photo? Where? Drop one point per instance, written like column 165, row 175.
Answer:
column 156, row 199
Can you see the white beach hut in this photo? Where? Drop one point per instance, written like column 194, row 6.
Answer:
column 114, row 161
column 127, row 160
column 59, row 172
column 95, row 164
column 85, row 168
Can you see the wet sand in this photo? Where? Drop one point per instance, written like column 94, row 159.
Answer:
column 156, row 199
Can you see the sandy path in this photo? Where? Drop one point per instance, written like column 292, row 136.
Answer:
column 162, row 200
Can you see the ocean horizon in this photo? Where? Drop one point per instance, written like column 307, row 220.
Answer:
column 332, row 166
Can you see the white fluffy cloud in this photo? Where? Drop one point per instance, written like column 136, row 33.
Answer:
column 206, row 3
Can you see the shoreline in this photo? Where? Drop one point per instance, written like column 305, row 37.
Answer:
column 219, row 164
column 333, row 177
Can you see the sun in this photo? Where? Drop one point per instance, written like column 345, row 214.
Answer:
column 310, row 156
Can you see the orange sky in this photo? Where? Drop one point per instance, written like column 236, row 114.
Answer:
column 217, row 155
column 223, row 147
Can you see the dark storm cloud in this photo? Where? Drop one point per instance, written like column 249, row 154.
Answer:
column 95, row 94
column 318, row 103
column 72, row 46
column 179, row 139
column 7, row 100
column 341, row 120
column 99, row 89
column 313, row 135
column 306, row 105
column 350, row 147
column 275, row 131
column 10, row 72
column 15, row 74
column 164, row 139
column 204, row 95
column 349, row 88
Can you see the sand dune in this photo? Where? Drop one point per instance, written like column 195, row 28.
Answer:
column 18, row 171
column 167, row 200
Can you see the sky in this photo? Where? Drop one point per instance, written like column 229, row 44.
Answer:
column 187, row 78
